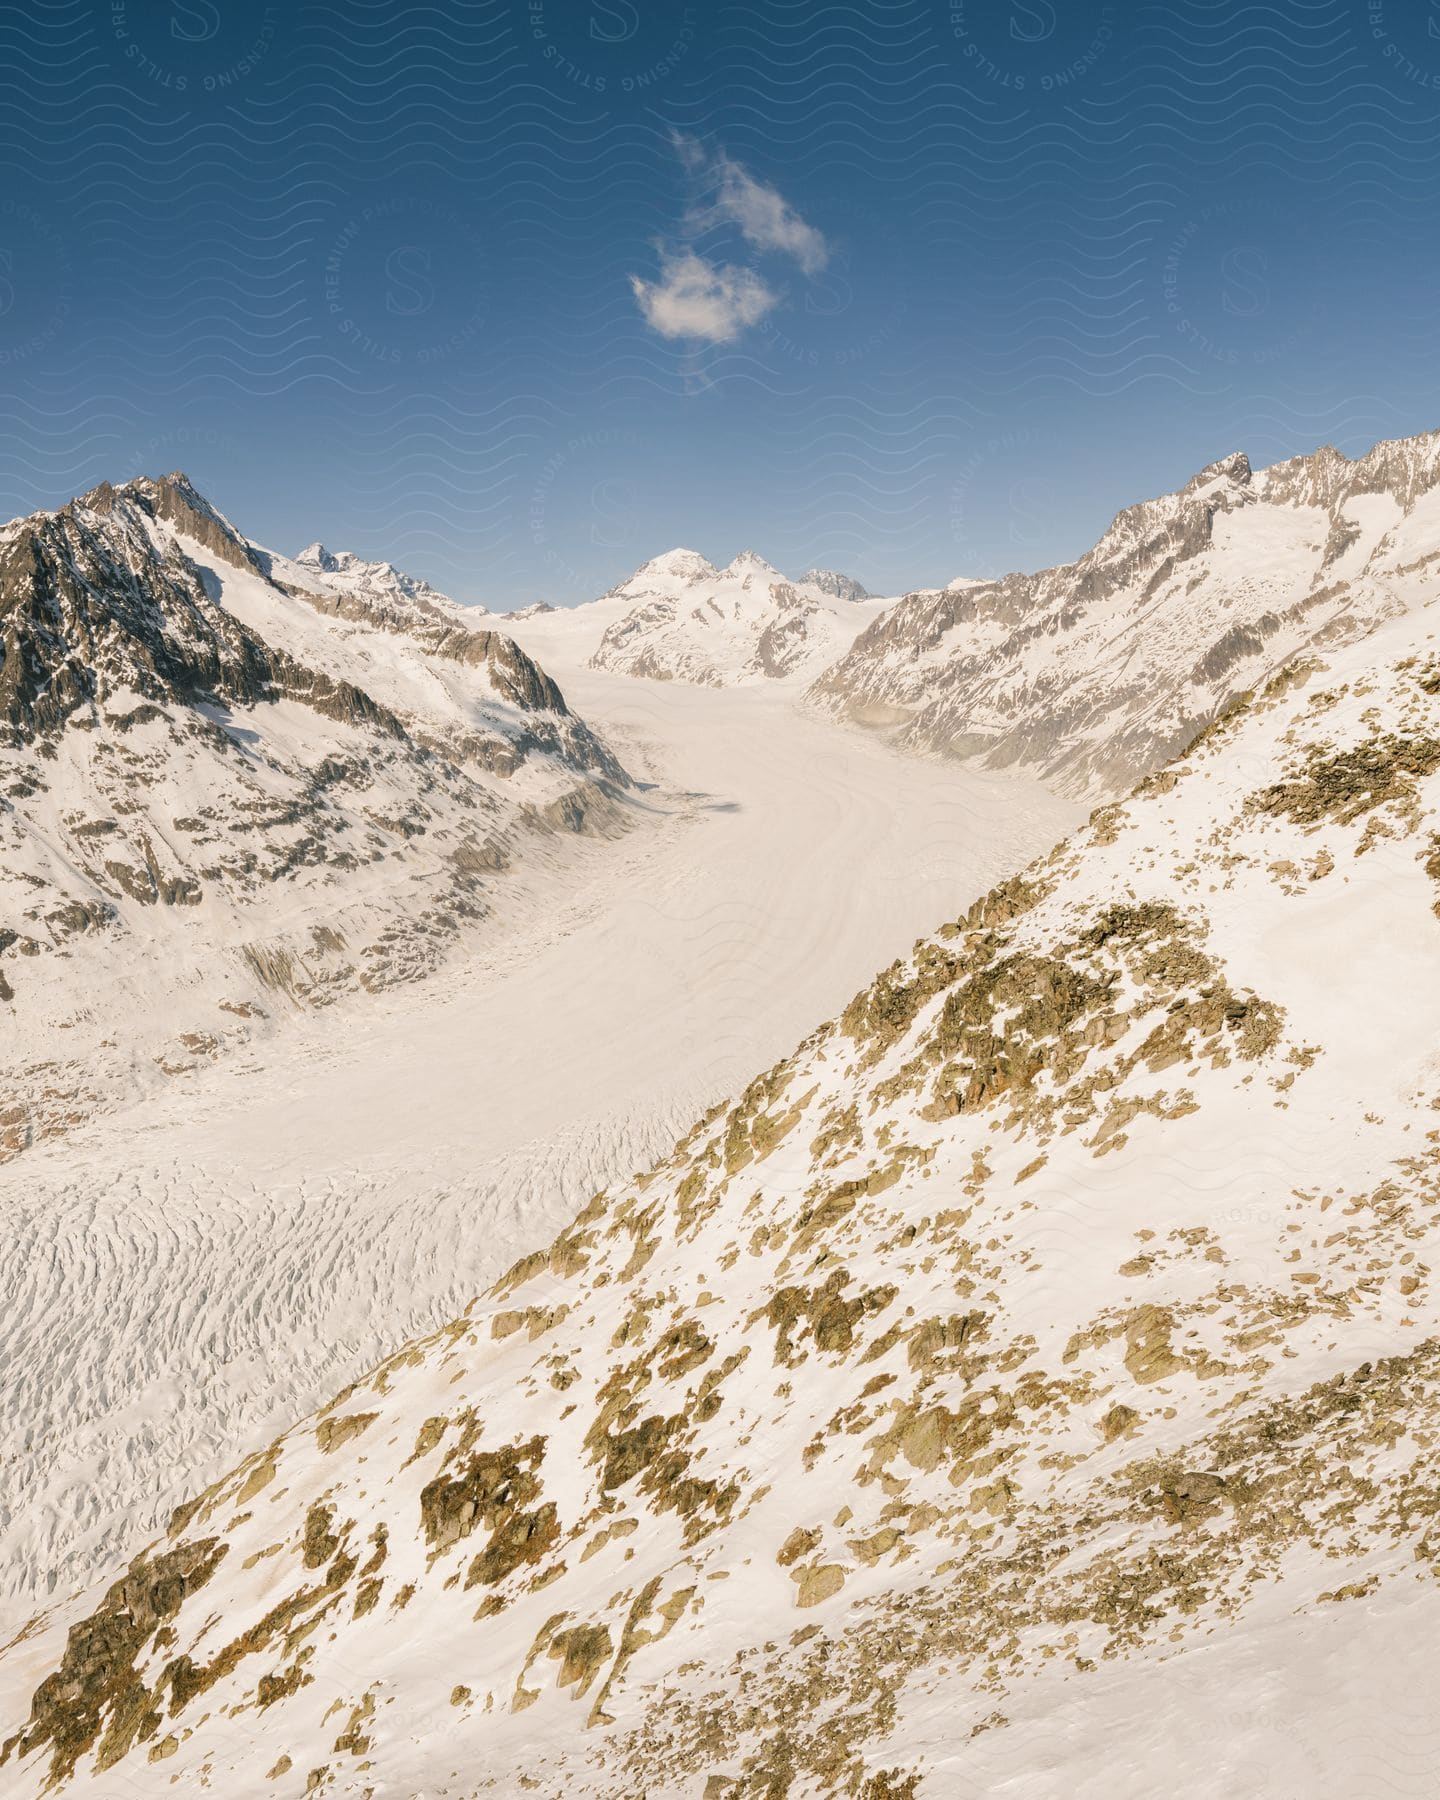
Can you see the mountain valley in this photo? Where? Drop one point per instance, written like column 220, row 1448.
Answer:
column 1043, row 1343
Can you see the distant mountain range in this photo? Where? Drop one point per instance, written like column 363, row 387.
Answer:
column 216, row 759
column 1092, row 673
column 1087, row 674
column 678, row 618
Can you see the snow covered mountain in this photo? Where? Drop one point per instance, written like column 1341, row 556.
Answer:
column 379, row 593
column 1095, row 672
column 234, row 785
column 1033, row 1380
column 831, row 581
column 678, row 618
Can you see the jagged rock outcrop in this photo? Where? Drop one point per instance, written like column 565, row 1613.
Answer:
column 174, row 499
column 1097, row 671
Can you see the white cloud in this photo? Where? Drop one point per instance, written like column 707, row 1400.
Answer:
column 696, row 298
column 765, row 219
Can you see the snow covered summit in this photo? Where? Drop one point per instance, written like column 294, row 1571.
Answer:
column 380, row 592
column 749, row 564
column 678, row 618
column 680, row 566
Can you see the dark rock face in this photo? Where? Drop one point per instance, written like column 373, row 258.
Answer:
column 525, row 685
column 783, row 644
column 89, row 606
column 173, row 499
column 514, row 675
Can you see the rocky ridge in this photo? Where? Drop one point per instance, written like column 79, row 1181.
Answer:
column 377, row 593
column 1094, row 672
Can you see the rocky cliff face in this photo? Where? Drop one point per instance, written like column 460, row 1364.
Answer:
column 95, row 606
column 217, row 802
column 1064, row 1308
column 1097, row 671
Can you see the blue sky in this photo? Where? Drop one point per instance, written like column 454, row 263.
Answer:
column 519, row 293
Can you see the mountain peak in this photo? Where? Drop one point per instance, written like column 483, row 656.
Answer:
column 140, row 676
column 176, row 500
column 176, row 488
column 688, row 621
column 688, row 564
column 750, row 562
column 831, row 581
column 1233, row 468
column 387, row 593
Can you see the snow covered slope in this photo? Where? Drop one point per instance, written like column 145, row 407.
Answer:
column 1095, row 672
column 678, row 618
column 1051, row 1335
column 187, row 1275
column 224, row 798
